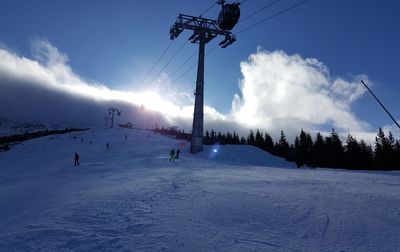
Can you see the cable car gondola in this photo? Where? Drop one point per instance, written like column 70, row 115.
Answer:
column 228, row 16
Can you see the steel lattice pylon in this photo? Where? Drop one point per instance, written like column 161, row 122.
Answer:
column 204, row 30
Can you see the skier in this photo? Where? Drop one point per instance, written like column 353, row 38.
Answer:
column 178, row 151
column 172, row 155
column 76, row 158
column 107, row 146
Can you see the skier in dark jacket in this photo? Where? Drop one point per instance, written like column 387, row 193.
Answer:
column 178, row 151
column 76, row 158
column 172, row 155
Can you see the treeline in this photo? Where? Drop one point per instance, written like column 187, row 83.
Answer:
column 322, row 151
column 6, row 141
column 173, row 132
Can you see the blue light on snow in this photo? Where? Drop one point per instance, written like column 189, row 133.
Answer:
column 214, row 151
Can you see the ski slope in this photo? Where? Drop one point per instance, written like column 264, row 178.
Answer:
column 131, row 198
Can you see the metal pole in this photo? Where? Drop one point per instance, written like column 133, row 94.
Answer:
column 112, row 119
column 376, row 98
column 197, row 130
column 204, row 30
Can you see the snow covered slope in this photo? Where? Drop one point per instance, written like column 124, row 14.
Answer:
column 131, row 198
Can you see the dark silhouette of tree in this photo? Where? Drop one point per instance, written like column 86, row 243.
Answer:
column 259, row 139
column 335, row 150
column 384, row 151
column 322, row 152
column 236, row 139
column 219, row 138
column 213, row 137
column 207, row 139
column 352, row 154
column 251, row 139
column 391, row 152
column 298, row 153
column 268, row 144
column 396, row 151
column 282, row 146
column 303, row 145
column 318, row 152
column 229, row 138
column 366, row 156
column 291, row 155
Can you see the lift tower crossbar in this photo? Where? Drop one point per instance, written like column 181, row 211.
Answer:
column 204, row 30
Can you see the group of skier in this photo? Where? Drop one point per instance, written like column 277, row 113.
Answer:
column 174, row 155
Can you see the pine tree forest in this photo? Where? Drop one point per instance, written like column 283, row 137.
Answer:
column 322, row 151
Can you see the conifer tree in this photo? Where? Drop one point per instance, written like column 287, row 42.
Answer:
column 396, row 151
column 391, row 154
column 229, row 138
column 298, row 153
column 219, row 137
column 213, row 137
column 303, row 145
column 268, row 143
column 367, row 158
column 352, row 154
column 236, row 139
column 318, row 151
column 251, row 139
column 207, row 139
column 259, row 139
column 334, row 150
column 223, row 139
column 282, row 147
column 383, row 151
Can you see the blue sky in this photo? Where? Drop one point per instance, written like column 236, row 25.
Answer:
column 115, row 43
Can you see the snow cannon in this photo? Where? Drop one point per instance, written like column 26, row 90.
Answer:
column 228, row 16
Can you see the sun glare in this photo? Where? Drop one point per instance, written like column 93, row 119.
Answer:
column 152, row 101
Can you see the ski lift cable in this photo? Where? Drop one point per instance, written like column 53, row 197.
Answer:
column 187, row 60
column 209, row 8
column 192, row 66
column 242, row 2
column 166, row 49
column 157, row 61
column 169, row 61
column 273, row 16
column 177, row 70
column 259, row 10
column 191, row 56
column 376, row 98
column 184, row 73
column 249, row 27
column 184, row 63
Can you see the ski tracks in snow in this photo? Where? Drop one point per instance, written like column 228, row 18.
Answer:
column 326, row 225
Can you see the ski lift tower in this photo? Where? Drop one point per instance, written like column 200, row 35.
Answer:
column 111, row 112
column 204, row 30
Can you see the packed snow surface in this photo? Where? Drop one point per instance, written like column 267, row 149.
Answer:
column 227, row 198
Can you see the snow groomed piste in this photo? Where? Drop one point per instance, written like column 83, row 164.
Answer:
column 227, row 198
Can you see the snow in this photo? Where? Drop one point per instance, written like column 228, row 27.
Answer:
column 131, row 198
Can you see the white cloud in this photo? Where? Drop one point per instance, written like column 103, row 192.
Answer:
column 33, row 84
column 278, row 91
